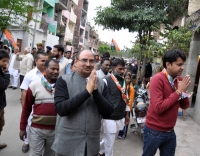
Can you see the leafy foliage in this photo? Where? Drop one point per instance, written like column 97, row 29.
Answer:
column 179, row 39
column 104, row 47
column 15, row 12
column 141, row 16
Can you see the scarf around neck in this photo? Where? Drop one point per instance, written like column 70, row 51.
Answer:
column 171, row 81
column 122, row 88
column 49, row 87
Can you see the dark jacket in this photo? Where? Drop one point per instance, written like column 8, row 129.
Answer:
column 79, row 115
column 148, row 72
column 4, row 82
column 116, row 99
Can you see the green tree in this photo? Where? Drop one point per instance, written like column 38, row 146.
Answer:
column 179, row 38
column 103, row 47
column 141, row 16
column 16, row 13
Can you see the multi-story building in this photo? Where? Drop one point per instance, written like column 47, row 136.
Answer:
column 87, row 34
column 93, row 41
column 79, row 33
column 64, row 14
column 37, row 31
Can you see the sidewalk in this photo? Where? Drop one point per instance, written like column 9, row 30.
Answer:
column 188, row 137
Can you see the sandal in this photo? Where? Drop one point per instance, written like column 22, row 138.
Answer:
column 3, row 145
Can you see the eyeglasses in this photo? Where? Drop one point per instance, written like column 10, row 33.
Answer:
column 85, row 61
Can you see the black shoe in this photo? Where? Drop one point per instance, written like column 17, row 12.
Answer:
column 10, row 87
column 14, row 88
column 2, row 146
column 101, row 154
column 25, row 148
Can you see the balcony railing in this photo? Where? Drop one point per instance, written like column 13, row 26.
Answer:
column 193, row 19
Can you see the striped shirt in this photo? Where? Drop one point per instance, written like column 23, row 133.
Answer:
column 44, row 114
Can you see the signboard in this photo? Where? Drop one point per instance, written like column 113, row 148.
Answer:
column 52, row 40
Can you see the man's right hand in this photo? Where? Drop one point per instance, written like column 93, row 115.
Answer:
column 22, row 135
column 184, row 84
column 91, row 82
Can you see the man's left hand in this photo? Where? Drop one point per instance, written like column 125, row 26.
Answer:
column 127, row 120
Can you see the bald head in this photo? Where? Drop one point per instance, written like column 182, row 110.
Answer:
column 83, row 51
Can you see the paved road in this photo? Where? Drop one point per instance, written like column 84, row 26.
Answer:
column 188, row 134
column 132, row 145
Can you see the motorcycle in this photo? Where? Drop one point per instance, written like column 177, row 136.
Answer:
column 139, row 111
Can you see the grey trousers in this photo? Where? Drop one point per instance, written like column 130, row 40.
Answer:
column 65, row 155
column 84, row 154
column 40, row 141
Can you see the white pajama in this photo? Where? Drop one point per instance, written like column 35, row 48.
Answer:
column 110, row 128
column 14, row 73
column 14, row 78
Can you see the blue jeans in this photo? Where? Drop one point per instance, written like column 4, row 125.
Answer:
column 165, row 141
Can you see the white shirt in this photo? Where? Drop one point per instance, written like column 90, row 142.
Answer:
column 31, row 76
column 101, row 74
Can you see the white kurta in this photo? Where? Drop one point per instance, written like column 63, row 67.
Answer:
column 14, row 74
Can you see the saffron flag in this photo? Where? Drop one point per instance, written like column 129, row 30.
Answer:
column 114, row 46
column 9, row 39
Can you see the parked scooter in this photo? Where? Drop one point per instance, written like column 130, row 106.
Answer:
column 139, row 111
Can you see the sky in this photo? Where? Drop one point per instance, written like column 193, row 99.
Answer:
column 122, row 37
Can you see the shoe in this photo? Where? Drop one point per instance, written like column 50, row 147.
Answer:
column 14, row 88
column 25, row 148
column 101, row 154
column 3, row 146
column 10, row 87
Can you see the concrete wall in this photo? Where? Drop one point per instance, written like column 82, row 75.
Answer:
column 191, row 69
column 21, row 34
column 194, row 5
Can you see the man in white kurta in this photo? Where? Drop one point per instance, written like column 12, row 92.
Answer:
column 14, row 69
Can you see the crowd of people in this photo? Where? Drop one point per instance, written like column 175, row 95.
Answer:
column 68, row 98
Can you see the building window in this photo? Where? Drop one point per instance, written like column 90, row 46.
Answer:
column 86, row 34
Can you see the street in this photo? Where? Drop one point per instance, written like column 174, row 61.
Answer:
column 132, row 145
column 188, row 134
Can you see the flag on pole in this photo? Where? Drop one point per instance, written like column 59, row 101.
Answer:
column 114, row 46
column 9, row 39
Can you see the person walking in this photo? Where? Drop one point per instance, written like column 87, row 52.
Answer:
column 40, row 97
column 40, row 48
column 58, row 51
column 67, row 55
column 34, row 75
column 130, row 93
column 115, row 122
column 14, row 69
column 4, row 81
column 79, row 109
column 26, row 62
column 48, row 52
column 104, row 68
column 168, row 93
